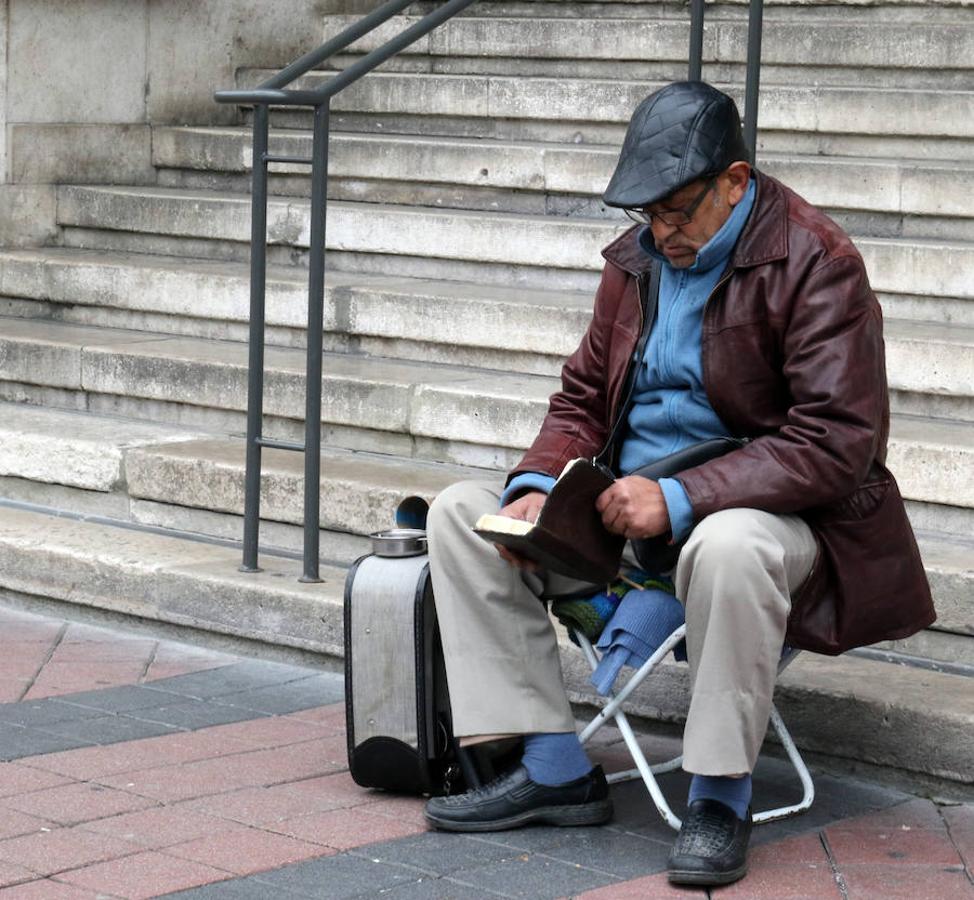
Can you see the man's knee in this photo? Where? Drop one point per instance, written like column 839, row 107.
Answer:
column 728, row 545
column 460, row 505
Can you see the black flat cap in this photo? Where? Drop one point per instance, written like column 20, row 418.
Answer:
column 681, row 133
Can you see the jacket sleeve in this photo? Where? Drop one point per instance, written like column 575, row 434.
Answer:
column 576, row 422
column 834, row 369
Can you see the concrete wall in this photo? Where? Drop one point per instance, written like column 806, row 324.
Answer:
column 83, row 81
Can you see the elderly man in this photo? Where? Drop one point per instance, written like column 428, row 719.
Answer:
column 765, row 328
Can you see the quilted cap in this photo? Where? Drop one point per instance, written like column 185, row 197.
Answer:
column 683, row 132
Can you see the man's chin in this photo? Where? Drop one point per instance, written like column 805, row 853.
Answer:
column 681, row 260
column 678, row 257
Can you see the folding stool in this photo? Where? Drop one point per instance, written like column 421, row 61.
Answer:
column 613, row 710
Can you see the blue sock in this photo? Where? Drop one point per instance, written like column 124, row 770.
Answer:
column 555, row 758
column 732, row 792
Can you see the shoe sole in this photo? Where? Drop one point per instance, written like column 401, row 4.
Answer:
column 683, row 876
column 561, row 816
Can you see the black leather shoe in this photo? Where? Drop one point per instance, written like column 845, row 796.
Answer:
column 711, row 847
column 513, row 800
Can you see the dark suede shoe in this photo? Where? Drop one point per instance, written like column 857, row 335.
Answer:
column 513, row 800
column 711, row 847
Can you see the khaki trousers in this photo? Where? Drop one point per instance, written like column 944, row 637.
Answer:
column 735, row 577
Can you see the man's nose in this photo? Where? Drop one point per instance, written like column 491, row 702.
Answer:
column 660, row 229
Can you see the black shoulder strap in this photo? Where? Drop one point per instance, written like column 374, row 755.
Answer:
column 651, row 300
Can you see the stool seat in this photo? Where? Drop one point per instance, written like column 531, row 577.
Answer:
column 613, row 711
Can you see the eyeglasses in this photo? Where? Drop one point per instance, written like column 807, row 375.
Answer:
column 674, row 217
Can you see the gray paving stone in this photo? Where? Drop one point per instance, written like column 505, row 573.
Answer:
column 232, row 679
column 17, row 743
column 194, row 714
column 108, row 729
column 438, row 853
column 45, row 712
column 634, row 809
column 623, row 855
column 432, row 888
column 120, row 699
column 235, row 889
column 338, row 877
column 317, row 690
column 536, row 877
column 543, row 838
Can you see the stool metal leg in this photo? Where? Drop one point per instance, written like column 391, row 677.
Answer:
column 613, row 710
column 782, row 812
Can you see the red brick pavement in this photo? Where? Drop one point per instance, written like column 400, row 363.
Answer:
column 46, row 658
column 151, row 816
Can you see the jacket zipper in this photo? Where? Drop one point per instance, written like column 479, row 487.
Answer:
column 644, row 332
column 703, row 357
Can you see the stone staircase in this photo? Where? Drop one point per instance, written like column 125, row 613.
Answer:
column 464, row 234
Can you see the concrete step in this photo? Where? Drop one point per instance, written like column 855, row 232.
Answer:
column 194, row 482
column 930, row 368
column 901, row 187
column 164, row 478
column 933, row 460
column 412, row 409
column 858, row 709
column 86, row 465
column 828, row 38
column 361, row 491
column 73, row 449
column 168, row 579
column 465, row 416
column 585, row 107
column 513, row 329
column 151, row 475
column 517, row 247
column 950, row 567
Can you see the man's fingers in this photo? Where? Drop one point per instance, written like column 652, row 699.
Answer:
column 613, row 518
column 514, row 559
column 610, row 496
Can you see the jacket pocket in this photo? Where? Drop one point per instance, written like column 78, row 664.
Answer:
column 875, row 587
column 862, row 503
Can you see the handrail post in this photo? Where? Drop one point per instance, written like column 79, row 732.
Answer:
column 752, row 85
column 255, row 372
column 696, row 40
column 273, row 93
column 316, row 303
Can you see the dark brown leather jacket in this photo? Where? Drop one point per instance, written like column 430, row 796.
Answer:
column 793, row 357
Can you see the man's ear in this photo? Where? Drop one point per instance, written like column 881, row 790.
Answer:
column 737, row 175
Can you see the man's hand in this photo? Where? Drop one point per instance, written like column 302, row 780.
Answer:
column 526, row 507
column 635, row 507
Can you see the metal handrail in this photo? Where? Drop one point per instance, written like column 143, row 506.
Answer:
column 755, row 25
column 274, row 91
column 266, row 94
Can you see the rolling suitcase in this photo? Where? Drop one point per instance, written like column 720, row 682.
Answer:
column 400, row 736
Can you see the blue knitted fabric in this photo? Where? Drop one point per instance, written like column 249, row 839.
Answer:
column 590, row 615
column 640, row 624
